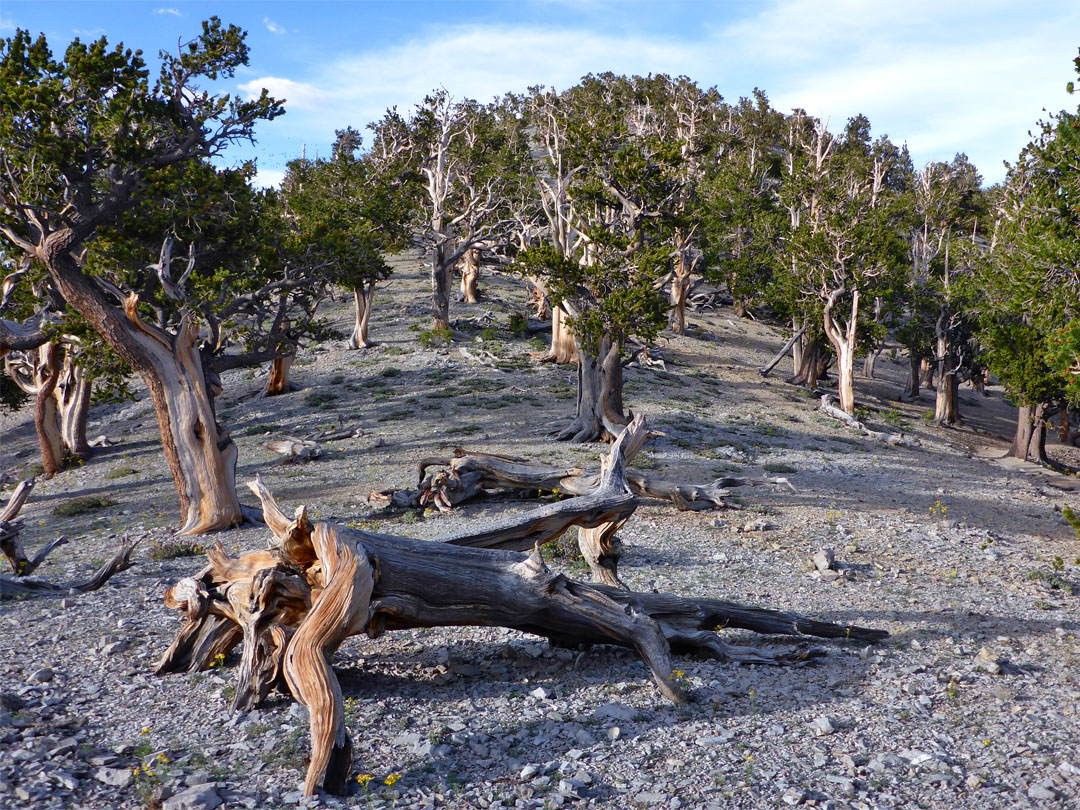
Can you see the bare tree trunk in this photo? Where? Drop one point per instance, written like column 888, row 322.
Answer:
column 599, row 404
column 563, row 346
column 329, row 582
column 680, row 289
column 926, row 372
column 799, row 330
column 947, row 402
column 73, row 401
column 911, row 389
column 45, row 421
column 362, row 301
column 813, row 364
column 440, row 288
column 537, row 297
column 1029, row 441
column 470, row 276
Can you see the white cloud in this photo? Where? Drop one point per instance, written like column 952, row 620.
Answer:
column 297, row 95
column 175, row 12
column 273, row 27
column 92, row 33
column 7, row 25
column 943, row 77
column 268, row 178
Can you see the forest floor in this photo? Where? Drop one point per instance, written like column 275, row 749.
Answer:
column 972, row 702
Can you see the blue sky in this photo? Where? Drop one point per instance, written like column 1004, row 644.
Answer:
column 943, row 76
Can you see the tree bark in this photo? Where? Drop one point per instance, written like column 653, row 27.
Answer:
column 599, row 405
column 47, row 374
column 680, row 290
column 441, row 271
column 362, row 300
column 843, row 342
column 1029, row 440
column 813, row 364
column 947, row 401
column 201, row 456
column 470, row 276
column 911, row 388
column 563, row 350
column 72, row 394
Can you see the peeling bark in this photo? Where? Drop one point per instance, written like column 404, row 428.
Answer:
column 470, row 276
column 363, row 301
column 1029, row 440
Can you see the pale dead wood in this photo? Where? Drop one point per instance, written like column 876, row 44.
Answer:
column 329, row 582
column 895, row 439
column 294, row 450
column 11, row 588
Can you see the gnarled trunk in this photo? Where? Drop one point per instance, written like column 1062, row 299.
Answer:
column 46, row 376
column 278, row 381
column 441, row 271
column 911, row 387
column 330, row 581
column 680, row 290
column 201, row 456
column 470, row 276
column 362, row 300
column 599, row 402
column 843, row 342
column 1029, row 441
column 73, row 402
column 563, row 346
column 947, row 401
column 813, row 364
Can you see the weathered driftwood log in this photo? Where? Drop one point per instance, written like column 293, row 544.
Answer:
column 895, row 439
column 10, row 526
column 11, row 588
column 470, row 474
column 292, row 606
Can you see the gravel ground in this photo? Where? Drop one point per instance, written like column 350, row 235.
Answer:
column 972, row 702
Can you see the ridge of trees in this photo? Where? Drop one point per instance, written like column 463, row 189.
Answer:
column 608, row 197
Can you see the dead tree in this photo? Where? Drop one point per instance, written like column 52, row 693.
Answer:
column 292, row 606
column 12, row 587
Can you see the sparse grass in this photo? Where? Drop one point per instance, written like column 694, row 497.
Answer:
column 395, row 416
column 323, row 400
column 84, row 505
column 779, row 469
column 390, row 371
column 175, row 547
column 260, row 429
column 119, row 472
column 435, row 338
column 463, row 430
column 1072, row 519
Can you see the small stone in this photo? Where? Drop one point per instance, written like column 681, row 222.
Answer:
column 987, row 661
column 528, row 772
column 43, row 675
column 540, row 693
column 613, row 733
column 823, row 726
column 793, row 796
column 1042, row 792
column 648, row 797
column 113, row 648
column 825, row 560
column 974, row 781
column 197, row 797
column 117, row 777
column 571, row 787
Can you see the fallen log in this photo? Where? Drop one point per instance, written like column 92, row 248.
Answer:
column 895, row 439
column 12, row 587
column 292, row 606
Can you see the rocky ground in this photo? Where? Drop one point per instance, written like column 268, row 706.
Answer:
column 971, row 703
